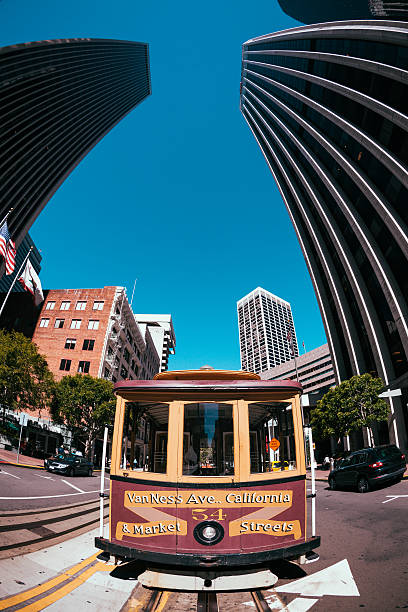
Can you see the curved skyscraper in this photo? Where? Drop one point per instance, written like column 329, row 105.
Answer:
column 327, row 105
column 59, row 98
column 316, row 11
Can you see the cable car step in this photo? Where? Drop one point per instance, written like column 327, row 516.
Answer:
column 181, row 580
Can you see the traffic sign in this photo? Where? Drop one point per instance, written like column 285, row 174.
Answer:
column 274, row 444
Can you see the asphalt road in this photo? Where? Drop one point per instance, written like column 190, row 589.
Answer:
column 24, row 488
column 370, row 532
column 363, row 556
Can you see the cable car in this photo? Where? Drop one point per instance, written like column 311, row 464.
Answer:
column 208, row 470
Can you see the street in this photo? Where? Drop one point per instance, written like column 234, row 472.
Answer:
column 22, row 488
column 362, row 557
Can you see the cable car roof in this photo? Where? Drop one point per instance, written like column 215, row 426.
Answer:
column 188, row 384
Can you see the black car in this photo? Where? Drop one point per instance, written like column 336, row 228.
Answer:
column 367, row 467
column 69, row 464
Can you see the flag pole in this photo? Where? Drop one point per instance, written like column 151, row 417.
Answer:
column 15, row 278
column 5, row 218
column 133, row 292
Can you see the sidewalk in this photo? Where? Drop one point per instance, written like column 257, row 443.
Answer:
column 23, row 460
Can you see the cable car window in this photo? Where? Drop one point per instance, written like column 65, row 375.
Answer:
column 271, row 435
column 208, row 440
column 145, row 434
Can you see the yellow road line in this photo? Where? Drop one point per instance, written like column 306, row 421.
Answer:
column 163, row 601
column 46, row 586
column 67, row 588
column 137, row 605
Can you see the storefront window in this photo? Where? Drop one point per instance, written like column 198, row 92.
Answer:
column 145, row 434
column 271, row 435
column 208, row 441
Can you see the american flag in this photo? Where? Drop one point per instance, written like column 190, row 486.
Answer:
column 7, row 249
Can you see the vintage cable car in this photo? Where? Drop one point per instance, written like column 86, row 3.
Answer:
column 208, row 470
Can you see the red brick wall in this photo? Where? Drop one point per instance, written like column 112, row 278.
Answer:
column 51, row 341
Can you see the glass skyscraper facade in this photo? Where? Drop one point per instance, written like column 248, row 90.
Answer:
column 59, row 98
column 327, row 106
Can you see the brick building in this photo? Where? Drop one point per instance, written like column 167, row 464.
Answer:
column 94, row 331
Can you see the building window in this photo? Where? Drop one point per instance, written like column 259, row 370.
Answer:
column 65, row 365
column 98, row 305
column 106, row 373
column 114, row 379
column 88, row 345
column 50, row 306
column 123, row 372
column 44, row 322
column 126, row 355
column 93, row 324
column 65, row 305
column 83, row 367
column 70, row 343
column 75, row 323
column 59, row 323
column 80, row 305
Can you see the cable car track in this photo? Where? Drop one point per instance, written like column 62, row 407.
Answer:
column 44, row 526
column 203, row 601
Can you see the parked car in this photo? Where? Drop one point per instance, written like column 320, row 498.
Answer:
column 278, row 466
column 69, row 464
column 367, row 467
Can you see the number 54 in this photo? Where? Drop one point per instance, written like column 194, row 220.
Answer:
column 199, row 514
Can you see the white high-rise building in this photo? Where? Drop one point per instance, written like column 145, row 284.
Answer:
column 267, row 335
column 161, row 329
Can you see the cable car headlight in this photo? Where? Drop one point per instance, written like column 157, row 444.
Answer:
column 208, row 533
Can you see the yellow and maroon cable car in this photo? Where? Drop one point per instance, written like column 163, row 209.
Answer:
column 208, row 470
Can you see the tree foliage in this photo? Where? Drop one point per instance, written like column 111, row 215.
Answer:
column 84, row 404
column 26, row 383
column 348, row 407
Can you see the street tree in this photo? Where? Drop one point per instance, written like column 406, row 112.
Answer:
column 350, row 406
column 26, row 382
column 84, row 404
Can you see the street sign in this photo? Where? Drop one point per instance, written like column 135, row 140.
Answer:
column 23, row 417
column 393, row 393
column 274, row 444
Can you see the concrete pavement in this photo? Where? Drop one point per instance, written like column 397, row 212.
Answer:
column 10, row 457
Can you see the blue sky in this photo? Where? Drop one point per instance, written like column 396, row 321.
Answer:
column 178, row 194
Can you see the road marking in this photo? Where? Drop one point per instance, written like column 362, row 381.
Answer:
column 300, row 604
column 12, row 475
column 392, row 498
column 46, row 601
column 41, row 476
column 46, row 586
column 54, row 496
column 334, row 580
column 73, row 486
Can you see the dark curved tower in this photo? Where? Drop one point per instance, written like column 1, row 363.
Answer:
column 327, row 105
column 318, row 11
column 59, row 98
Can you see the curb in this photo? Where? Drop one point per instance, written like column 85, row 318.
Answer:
column 23, row 465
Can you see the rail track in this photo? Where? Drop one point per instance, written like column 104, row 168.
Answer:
column 22, row 532
column 156, row 600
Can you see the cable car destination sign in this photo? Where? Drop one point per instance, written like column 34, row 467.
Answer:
column 151, row 505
